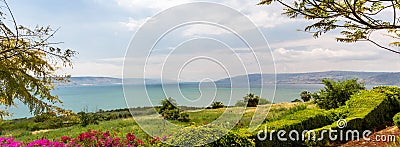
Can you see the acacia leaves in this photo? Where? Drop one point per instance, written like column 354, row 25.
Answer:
column 356, row 19
column 28, row 64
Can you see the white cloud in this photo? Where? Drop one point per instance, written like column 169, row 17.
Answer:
column 320, row 53
column 154, row 5
column 133, row 24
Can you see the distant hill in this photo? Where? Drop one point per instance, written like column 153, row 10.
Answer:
column 101, row 81
column 369, row 78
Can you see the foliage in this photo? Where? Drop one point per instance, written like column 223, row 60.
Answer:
column 240, row 103
column 251, row 100
column 28, row 64
column 216, row 105
column 196, row 136
column 305, row 96
column 366, row 110
column 357, row 19
column 263, row 101
column 234, row 138
column 300, row 120
column 396, row 119
column 335, row 94
column 86, row 119
column 169, row 110
column 89, row 138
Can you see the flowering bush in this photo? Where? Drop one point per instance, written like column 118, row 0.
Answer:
column 91, row 138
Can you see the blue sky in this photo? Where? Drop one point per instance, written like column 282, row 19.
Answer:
column 100, row 30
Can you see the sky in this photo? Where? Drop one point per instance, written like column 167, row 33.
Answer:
column 102, row 30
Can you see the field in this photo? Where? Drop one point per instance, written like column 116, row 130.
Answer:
column 363, row 111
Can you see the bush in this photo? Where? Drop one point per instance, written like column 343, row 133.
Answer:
column 88, row 118
column 301, row 119
column 240, row 103
column 335, row 94
column 207, row 135
column 305, row 96
column 216, row 105
column 184, row 117
column 251, row 100
column 45, row 116
column 263, row 101
column 234, row 138
column 396, row 120
column 196, row 136
column 366, row 110
column 169, row 110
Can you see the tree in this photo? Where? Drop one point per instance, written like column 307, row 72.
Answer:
column 251, row 100
column 357, row 19
column 28, row 64
column 335, row 94
column 216, row 105
column 305, row 96
column 169, row 110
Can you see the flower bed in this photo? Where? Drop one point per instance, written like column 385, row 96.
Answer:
column 89, row 138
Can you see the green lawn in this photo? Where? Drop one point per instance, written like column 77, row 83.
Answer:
column 123, row 126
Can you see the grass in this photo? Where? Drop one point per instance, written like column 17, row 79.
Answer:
column 128, row 125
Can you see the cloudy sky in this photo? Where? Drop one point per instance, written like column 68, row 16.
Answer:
column 101, row 30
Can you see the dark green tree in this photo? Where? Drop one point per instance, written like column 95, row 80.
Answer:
column 335, row 94
column 216, row 105
column 28, row 64
column 169, row 110
column 356, row 19
column 305, row 96
column 251, row 99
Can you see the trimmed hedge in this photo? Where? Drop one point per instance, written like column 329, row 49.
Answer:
column 205, row 135
column 307, row 119
column 365, row 111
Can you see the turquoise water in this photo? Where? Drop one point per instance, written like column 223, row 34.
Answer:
column 93, row 98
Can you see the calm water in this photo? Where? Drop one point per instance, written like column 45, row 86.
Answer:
column 92, row 98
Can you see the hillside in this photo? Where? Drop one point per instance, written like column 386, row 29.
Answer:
column 369, row 78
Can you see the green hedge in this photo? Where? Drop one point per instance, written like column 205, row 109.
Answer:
column 365, row 111
column 396, row 119
column 307, row 119
column 195, row 136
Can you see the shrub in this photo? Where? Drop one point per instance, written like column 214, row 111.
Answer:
column 396, row 120
column 366, row 110
column 169, row 110
column 335, row 94
column 234, row 138
column 305, row 96
column 88, row 118
column 251, row 100
column 45, row 116
column 240, row 103
column 263, row 101
column 184, row 117
column 207, row 135
column 304, row 119
column 216, row 105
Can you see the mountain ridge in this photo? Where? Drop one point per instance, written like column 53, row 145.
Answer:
column 369, row 78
